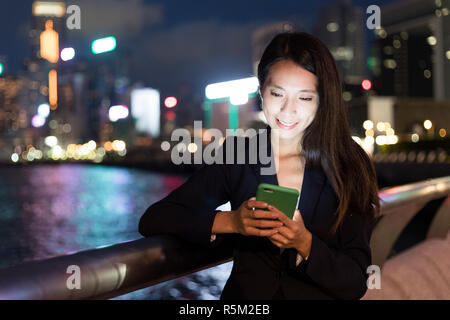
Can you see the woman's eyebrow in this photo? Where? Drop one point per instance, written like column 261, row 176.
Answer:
column 301, row 90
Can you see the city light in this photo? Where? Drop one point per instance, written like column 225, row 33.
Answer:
column 390, row 132
column 103, row 45
column 49, row 40
column 108, row 146
column 427, row 124
column 44, row 110
column 390, row 64
column 170, row 102
column 118, row 145
column 92, row 145
column 51, row 141
column 67, row 128
column 118, row 112
column 380, row 140
column 57, row 152
column 366, row 84
column 170, row 115
column 392, row 139
column 67, row 54
column 381, row 126
column 165, row 146
column 53, row 89
column 396, row 44
column 235, row 89
column 1, row 68
column 332, row 27
column 49, row 9
column 368, row 124
column 14, row 157
column 145, row 109
column 431, row 40
column 347, row 96
column 192, row 147
column 239, row 97
column 37, row 121
column 369, row 140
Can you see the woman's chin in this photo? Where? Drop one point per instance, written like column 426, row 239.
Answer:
column 286, row 134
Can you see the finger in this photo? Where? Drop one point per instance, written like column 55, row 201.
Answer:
column 281, row 216
column 256, row 204
column 258, row 214
column 252, row 231
column 264, row 214
column 263, row 223
column 286, row 232
column 279, row 239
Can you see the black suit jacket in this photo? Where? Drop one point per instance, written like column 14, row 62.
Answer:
column 337, row 265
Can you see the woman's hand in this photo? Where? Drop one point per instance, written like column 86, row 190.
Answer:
column 293, row 233
column 249, row 220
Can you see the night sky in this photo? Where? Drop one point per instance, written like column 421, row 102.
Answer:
column 171, row 41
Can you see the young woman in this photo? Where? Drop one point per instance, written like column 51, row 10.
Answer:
column 325, row 248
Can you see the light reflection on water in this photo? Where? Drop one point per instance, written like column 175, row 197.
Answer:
column 49, row 210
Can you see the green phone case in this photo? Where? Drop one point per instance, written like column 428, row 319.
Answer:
column 282, row 198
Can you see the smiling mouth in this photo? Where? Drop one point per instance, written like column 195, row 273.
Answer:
column 286, row 125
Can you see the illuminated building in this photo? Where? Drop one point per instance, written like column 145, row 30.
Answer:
column 411, row 53
column 341, row 27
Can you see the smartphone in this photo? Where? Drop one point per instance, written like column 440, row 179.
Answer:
column 283, row 198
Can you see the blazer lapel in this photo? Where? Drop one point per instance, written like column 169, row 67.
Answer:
column 313, row 181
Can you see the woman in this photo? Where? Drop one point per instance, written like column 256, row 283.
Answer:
column 325, row 248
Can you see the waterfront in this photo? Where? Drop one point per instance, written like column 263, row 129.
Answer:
column 49, row 210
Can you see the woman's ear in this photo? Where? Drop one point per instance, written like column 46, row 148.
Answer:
column 260, row 99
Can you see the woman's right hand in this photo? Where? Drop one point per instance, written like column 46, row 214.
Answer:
column 249, row 222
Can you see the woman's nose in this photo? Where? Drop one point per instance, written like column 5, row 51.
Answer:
column 289, row 107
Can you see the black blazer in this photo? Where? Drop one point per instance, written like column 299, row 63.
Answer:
column 337, row 265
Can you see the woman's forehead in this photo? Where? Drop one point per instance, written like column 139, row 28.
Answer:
column 288, row 75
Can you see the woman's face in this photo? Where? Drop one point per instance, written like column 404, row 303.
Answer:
column 289, row 99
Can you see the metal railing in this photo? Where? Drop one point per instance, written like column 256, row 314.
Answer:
column 122, row 268
column 400, row 204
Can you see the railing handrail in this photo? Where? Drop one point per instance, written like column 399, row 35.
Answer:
column 108, row 271
column 125, row 267
column 418, row 191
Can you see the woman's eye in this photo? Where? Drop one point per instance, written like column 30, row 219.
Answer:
column 305, row 99
column 275, row 94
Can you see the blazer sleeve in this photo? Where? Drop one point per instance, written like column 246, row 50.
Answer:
column 341, row 272
column 188, row 212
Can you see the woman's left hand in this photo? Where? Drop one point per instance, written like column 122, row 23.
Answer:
column 293, row 233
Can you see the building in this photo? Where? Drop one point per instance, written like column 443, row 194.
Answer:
column 341, row 27
column 411, row 52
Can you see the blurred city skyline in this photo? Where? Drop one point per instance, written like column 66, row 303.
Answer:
column 169, row 41
column 99, row 91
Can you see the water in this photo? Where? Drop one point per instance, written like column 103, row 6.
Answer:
column 50, row 210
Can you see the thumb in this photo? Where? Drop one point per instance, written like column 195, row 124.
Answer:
column 252, row 198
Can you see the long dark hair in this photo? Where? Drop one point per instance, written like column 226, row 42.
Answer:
column 327, row 141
